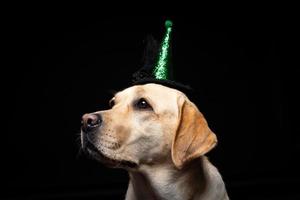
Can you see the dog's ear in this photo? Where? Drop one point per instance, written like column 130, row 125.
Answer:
column 193, row 137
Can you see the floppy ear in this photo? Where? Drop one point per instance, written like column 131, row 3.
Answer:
column 193, row 137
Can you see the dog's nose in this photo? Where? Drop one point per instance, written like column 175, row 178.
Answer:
column 91, row 122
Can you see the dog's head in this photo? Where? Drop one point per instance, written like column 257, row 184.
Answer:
column 147, row 124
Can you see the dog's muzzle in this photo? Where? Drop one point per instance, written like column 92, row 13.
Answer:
column 90, row 124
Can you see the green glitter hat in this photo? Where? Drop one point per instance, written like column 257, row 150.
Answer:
column 161, row 70
column 157, row 66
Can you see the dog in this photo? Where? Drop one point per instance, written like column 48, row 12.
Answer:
column 160, row 137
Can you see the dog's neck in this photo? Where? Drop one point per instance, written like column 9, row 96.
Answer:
column 165, row 181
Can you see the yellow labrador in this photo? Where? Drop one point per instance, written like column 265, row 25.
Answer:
column 160, row 137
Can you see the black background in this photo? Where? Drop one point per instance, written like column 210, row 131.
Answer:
column 67, row 64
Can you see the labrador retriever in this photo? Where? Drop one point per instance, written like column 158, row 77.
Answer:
column 160, row 137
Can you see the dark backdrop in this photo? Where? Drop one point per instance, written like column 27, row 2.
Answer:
column 67, row 64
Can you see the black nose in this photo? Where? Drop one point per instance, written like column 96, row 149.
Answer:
column 90, row 122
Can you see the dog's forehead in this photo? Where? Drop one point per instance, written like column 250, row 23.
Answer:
column 160, row 97
column 155, row 92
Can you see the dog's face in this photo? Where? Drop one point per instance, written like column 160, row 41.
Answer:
column 147, row 124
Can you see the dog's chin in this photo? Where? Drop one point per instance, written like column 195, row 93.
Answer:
column 109, row 162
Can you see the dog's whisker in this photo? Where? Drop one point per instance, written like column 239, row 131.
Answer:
column 79, row 153
column 78, row 139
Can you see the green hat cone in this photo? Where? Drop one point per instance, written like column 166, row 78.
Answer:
column 161, row 69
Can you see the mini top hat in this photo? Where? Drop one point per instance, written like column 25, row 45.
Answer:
column 157, row 67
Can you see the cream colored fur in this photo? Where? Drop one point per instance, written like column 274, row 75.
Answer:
column 167, row 143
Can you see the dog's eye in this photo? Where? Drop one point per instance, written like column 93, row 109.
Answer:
column 112, row 103
column 143, row 104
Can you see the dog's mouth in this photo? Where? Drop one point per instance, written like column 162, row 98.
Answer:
column 98, row 155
